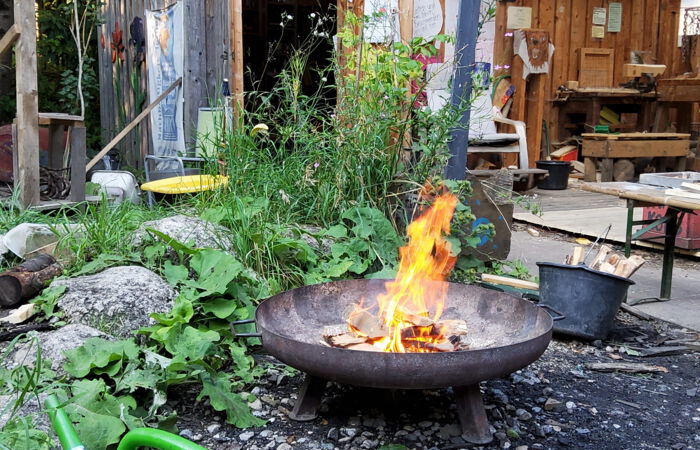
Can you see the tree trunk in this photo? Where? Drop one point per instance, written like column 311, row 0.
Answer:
column 26, row 280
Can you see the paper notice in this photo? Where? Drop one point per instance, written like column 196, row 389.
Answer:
column 598, row 32
column 614, row 17
column 599, row 16
column 519, row 17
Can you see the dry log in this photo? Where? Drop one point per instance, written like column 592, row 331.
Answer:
column 452, row 327
column 626, row 367
column 634, row 262
column 509, row 281
column 26, row 280
column 364, row 347
column 601, row 256
column 367, row 324
column 606, row 267
column 623, row 170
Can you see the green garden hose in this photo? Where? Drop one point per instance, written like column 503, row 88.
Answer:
column 151, row 437
column 62, row 425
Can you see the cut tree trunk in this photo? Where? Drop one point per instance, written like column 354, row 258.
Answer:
column 26, row 280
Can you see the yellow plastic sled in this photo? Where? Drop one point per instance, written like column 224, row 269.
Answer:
column 185, row 185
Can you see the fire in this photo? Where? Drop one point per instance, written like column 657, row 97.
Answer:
column 425, row 263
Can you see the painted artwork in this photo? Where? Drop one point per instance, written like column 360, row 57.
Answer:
column 165, row 65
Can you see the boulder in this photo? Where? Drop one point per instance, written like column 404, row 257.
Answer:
column 53, row 344
column 116, row 301
column 311, row 235
column 31, row 407
column 189, row 230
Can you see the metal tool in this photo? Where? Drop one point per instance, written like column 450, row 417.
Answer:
column 604, row 235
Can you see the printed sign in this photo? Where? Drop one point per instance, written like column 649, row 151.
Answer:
column 615, row 17
column 165, row 57
column 519, row 17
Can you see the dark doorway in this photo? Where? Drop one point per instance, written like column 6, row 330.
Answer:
column 270, row 37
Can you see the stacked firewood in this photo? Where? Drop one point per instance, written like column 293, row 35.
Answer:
column 607, row 260
column 364, row 330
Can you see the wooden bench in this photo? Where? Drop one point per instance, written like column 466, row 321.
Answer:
column 608, row 147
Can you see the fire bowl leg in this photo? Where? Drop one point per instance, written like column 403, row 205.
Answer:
column 472, row 415
column 308, row 399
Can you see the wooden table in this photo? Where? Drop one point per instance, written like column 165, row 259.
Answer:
column 607, row 147
column 640, row 195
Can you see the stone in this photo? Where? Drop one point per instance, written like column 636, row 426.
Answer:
column 522, row 414
column 570, row 405
column 246, row 436
column 583, row 430
column 116, row 301
column 500, row 396
column 284, row 446
column 188, row 230
column 449, row 431
column 30, row 407
column 53, row 344
column 265, row 434
column 311, row 235
column 552, row 405
column 333, row 434
column 187, row 434
column 213, row 428
column 255, row 405
column 425, row 424
column 521, row 447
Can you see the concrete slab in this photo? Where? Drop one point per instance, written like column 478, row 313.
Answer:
column 684, row 307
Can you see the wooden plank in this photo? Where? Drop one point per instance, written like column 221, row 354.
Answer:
column 27, row 105
column 651, row 29
column 562, row 56
column 237, row 64
column 606, row 169
column 9, row 38
column 636, row 25
column 634, row 149
column 534, row 115
column 509, row 281
column 501, row 50
column 651, row 136
column 669, row 19
column 621, row 42
column 105, row 76
column 579, row 30
column 546, row 22
column 195, row 67
column 588, row 24
column 589, row 173
column 56, row 147
column 132, row 125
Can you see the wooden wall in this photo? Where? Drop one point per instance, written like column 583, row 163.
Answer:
column 206, row 64
column 649, row 25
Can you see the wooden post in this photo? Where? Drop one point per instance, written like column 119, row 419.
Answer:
column 77, row 162
column 406, row 32
column 236, row 12
column 27, row 176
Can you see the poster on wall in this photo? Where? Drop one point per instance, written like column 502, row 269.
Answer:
column 427, row 18
column 165, row 60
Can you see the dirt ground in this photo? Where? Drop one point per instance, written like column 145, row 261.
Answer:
column 554, row 403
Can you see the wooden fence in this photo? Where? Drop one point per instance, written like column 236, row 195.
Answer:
column 206, row 63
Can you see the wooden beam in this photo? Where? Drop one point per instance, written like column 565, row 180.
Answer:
column 9, row 38
column 27, row 176
column 237, row 67
column 131, row 125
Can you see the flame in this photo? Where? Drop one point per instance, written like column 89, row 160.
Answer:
column 425, row 260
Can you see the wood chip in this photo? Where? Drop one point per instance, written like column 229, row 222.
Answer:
column 666, row 351
column 343, row 340
column 452, row 327
column 417, row 319
column 600, row 256
column 20, row 314
column 367, row 324
column 626, row 367
column 334, row 330
column 365, row 347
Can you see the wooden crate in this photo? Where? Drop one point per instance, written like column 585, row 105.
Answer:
column 596, row 67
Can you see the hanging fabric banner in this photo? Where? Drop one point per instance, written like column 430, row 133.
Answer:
column 165, row 58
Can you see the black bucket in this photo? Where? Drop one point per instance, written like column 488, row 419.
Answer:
column 558, row 174
column 588, row 298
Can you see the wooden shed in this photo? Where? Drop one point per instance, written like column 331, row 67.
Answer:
column 593, row 40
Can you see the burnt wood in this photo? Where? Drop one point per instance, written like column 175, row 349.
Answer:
column 26, row 280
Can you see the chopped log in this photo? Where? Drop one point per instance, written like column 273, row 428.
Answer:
column 452, row 327
column 367, row 324
column 634, row 262
column 344, row 340
column 626, row 367
column 606, row 267
column 416, row 331
column 577, row 257
column 334, row 330
column 623, row 170
column 431, row 346
column 601, row 256
column 26, row 280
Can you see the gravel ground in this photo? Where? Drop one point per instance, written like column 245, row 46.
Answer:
column 554, row 403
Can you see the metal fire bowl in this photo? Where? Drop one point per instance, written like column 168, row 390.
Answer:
column 506, row 333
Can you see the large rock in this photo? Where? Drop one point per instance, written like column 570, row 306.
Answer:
column 188, row 230
column 116, row 301
column 53, row 344
column 30, row 407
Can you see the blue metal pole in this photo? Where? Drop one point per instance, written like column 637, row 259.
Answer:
column 467, row 28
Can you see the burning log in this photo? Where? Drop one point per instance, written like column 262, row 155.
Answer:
column 346, row 340
column 367, row 324
column 26, row 280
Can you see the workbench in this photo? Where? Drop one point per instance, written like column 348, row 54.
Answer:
column 607, row 147
column 640, row 195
